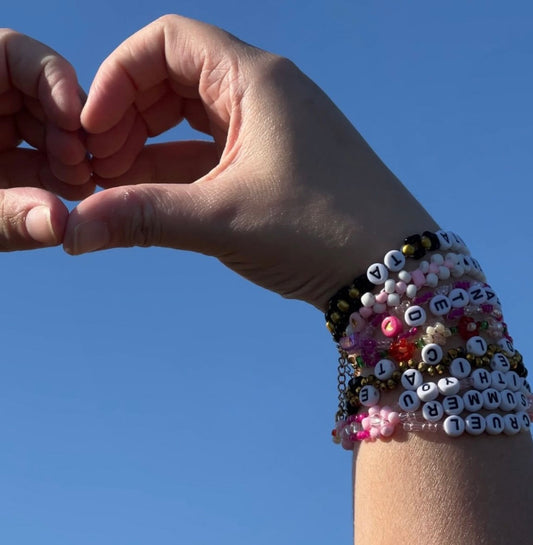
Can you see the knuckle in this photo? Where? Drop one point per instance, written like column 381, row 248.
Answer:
column 143, row 227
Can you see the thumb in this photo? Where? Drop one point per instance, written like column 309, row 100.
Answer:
column 171, row 215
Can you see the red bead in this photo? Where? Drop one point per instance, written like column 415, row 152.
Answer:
column 467, row 327
column 402, row 350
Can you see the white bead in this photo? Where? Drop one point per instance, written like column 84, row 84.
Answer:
column 369, row 396
column 476, row 345
column 444, row 273
column 509, row 401
column 427, row 391
column 521, row 402
column 377, row 273
column 432, row 411
column 525, row 421
column 497, row 380
column 481, row 379
column 437, row 259
column 412, row 379
column 432, row 280
column 513, row 381
column 491, row 399
column 500, row 363
column 449, row 386
column 404, row 276
column 511, row 424
column 368, row 299
column 423, row 266
column 507, row 345
column 494, row 423
column 379, row 308
column 390, row 285
column 440, row 305
column 432, row 354
column 394, row 260
column 411, row 291
column 415, row 316
column 454, row 426
column 458, row 271
column 384, row 369
column 444, row 240
column 492, row 298
column 475, row 424
column 457, row 242
column 477, row 295
column 459, row 298
column 393, row 300
column 473, row 401
column 409, row 401
column 453, row 404
column 460, row 368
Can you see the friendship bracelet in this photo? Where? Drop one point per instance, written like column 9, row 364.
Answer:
column 347, row 299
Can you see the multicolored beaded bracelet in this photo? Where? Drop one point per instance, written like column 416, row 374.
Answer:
column 348, row 299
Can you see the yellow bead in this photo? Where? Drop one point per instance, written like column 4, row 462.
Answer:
column 343, row 306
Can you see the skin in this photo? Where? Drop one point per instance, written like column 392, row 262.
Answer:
column 40, row 103
column 287, row 194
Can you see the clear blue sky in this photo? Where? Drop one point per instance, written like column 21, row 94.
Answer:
column 152, row 396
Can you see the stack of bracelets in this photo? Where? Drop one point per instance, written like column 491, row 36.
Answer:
column 391, row 324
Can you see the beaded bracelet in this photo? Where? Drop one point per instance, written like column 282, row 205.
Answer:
column 347, row 299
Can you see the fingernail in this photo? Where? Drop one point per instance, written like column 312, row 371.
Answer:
column 39, row 225
column 90, row 236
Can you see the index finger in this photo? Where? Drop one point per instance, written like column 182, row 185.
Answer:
column 39, row 72
column 175, row 47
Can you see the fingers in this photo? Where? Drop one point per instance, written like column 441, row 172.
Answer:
column 174, row 68
column 30, row 218
column 170, row 215
column 39, row 89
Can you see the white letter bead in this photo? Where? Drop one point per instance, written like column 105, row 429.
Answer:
column 475, row 424
column 494, row 424
column 368, row 299
column 369, row 396
column 377, row 273
column 411, row 379
column 460, row 368
column 507, row 345
column 427, row 391
column 394, row 260
column 432, row 411
column 432, row 353
column 454, row 426
column 508, row 402
column 449, row 386
column 440, row 305
column 481, row 379
column 459, row 298
column 473, row 401
column 453, row 404
column 500, row 363
column 521, row 402
column 477, row 295
column 525, row 421
column 511, row 424
column 415, row 316
column 408, row 401
column 384, row 369
column 444, row 239
column 476, row 345
column 513, row 381
column 498, row 381
column 491, row 399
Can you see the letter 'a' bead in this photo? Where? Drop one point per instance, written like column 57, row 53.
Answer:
column 412, row 379
column 475, row 424
column 377, row 273
column 454, row 426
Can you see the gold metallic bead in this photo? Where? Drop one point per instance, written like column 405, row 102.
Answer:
column 431, row 371
column 343, row 306
column 330, row 327
column 391, row 384
column 423, row 367
column 426, row 242
column 440, row 368
column 452, row 353
column 354, row 293
column 412, row 364
column 396, row 376
column 408, row 250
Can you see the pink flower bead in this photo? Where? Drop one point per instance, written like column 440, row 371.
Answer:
column 366, row 423
column 373, row 411
column 394, row 418
column 387, row 430
column 374, row 433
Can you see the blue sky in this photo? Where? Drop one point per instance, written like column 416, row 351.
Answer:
column 153, row 396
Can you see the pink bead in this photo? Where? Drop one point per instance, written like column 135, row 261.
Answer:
column 401, row 287
column 374, row 433
column 366, row 312
column 394, row 418
column 418, row 278
column 381, row 297
column 373, row 411
column 391, row 326
column 366, row 423
column 384, row 413
column 347, row 444
column 357, row 322
column 387, row 430
column 362, row 435
column 433, row 268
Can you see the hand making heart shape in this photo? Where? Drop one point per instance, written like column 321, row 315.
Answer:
column 286, row 193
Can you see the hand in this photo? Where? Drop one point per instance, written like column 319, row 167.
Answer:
column 40, row 102
column 287, row 194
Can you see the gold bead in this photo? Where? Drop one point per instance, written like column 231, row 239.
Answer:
column 440, row 368
column 343, row 306
column 408, row 250
column 426, row 242
column 391, row 384
column 354, row 293
column 423, row 367
column 335, row 317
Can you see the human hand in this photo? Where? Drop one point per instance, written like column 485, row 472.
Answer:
column 40, row 103
column 288, row 194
